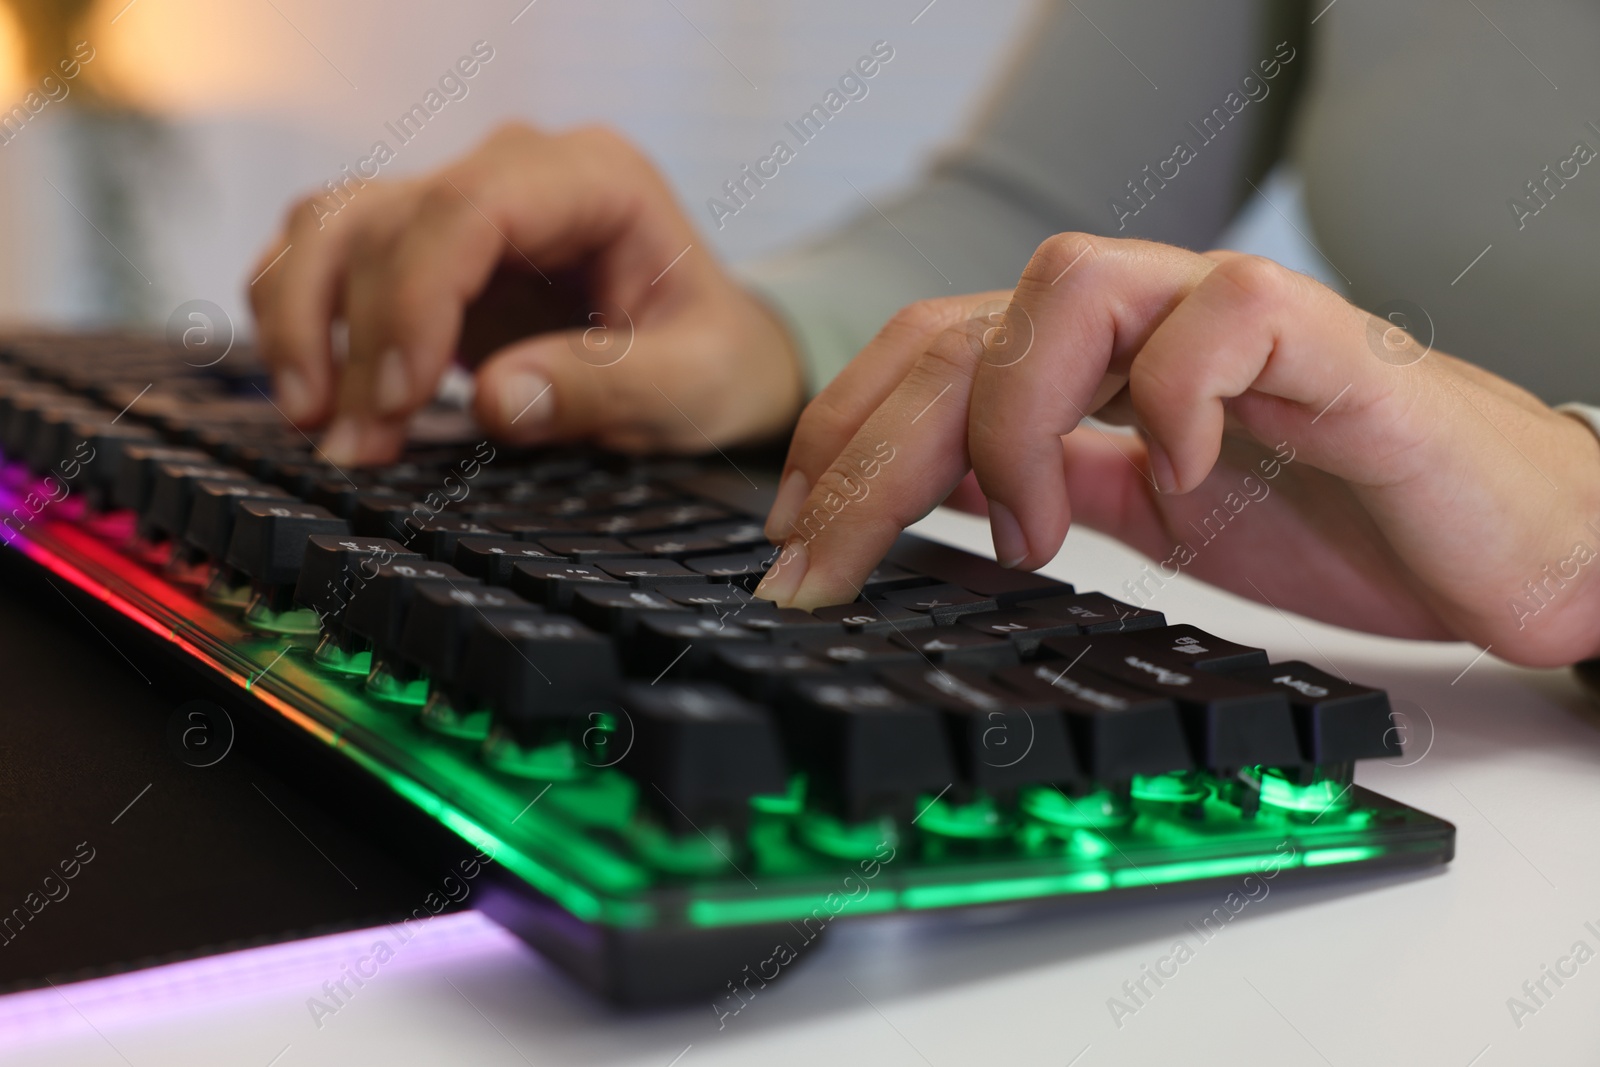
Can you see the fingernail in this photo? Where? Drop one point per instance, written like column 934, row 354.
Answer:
column 525, row 399
column 791, row 494
column 1161, row 469
column 342, row 443
column 784, row 577
column 392, row 390
column 294, row 395
column 1010, row 547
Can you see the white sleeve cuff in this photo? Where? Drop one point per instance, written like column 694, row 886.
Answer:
column 1588, row 413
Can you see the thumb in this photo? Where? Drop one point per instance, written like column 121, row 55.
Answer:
column 585, row 383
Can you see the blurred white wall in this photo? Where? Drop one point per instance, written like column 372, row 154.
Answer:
column 261, row 100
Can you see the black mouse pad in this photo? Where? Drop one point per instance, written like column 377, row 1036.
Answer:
column 126, row 840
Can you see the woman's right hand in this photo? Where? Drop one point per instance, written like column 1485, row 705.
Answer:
column 664, row 350
column 1296, row 450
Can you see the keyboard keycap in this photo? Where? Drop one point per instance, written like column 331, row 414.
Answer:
column 212, row 510
column 335, row 566
column 535, row 672
column 269, row 538
column 584, row 549
column 656, row 520
column 1117, row 730
column 700, row 753
column 982, row 576
column 617, row 610
column 377, row 609
column 887, row 576
column 172, row 486
column 1336, row 720
column 440, row 616
column 718, row 600
column 762, row 673
column 650, row 573
column 1205, row 651
column 1097, row 613
column 677, row 545
column 492, row 558
column 999, row 738
column 136, row 471
column 857, row 653
column 1024, row 629
column 780, row 625
column 866, row 750
column 437, row 538
column 554, row 583
column 531, row 527
column 680, row 643
column 1229, row 723
column 740, row 533
column 744, row 569
column 874, row 618
column 943, row 603
column 958, row 646
column 341, row 494
column 385, row 513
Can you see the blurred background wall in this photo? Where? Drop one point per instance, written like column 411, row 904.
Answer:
column 173, row 155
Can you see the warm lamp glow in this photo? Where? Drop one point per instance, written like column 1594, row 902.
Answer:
column 193, row 55
column 13, row 56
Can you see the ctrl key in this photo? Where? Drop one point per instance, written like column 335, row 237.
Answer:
column 1336, row 720
column 535, row 672
column 866, row 749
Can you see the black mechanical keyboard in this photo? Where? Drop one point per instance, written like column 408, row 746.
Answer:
column 555, row 656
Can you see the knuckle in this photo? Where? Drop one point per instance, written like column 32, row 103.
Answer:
column 923, row 316
column 824, row 419
column 1060, row 255
column 442, row 195
column 954, row 353
column 302, row 214
column 602, row 139
column 512, row 132
column 1255, row 281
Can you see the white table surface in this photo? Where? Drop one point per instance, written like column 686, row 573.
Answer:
column 1395, row 968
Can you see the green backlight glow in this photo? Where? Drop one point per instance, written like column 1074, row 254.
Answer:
column 790, row 802
column 980, row 820
column 834, row 837
column 1094, row 811
column 1324, row 795
column 859, row 898
column 334, row 658
column 1323, row 857
column 386, row 687
column 578, row 833
column 992, row 892
column 1179, row 787
column 1189, row 870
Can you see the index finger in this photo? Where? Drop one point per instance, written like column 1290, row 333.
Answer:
column 907, row 456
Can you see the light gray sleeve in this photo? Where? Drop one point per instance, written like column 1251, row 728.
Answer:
column 1586, row 413
column 1090, row 116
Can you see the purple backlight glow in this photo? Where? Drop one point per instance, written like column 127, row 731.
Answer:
column 298, row 968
